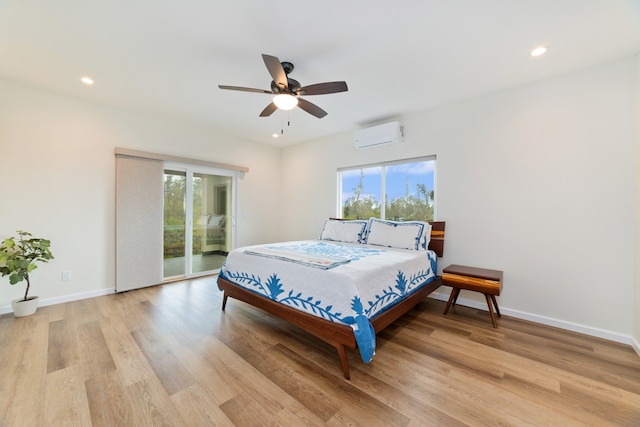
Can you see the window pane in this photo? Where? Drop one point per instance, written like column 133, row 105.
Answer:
column 410, row 191
column 361, row 193
column 174, row 222
column 210, row 231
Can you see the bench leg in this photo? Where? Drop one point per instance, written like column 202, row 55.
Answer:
column 452, row 299
column 455, row 298
column 493, row 317
column 495, row 304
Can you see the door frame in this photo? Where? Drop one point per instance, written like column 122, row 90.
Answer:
column 190, row 170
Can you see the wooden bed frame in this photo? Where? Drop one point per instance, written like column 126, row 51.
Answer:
column 337, row 334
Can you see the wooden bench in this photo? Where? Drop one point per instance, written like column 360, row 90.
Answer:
column 488, row 282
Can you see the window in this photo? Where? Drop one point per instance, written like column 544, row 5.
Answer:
column 401, row 190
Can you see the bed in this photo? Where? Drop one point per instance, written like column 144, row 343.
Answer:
column 213, row 227
column 345, row 287
column 211, row 234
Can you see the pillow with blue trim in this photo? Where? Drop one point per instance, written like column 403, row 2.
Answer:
column 344, row 231
column 399, row 234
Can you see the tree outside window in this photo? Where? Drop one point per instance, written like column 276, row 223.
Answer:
column 400, row 191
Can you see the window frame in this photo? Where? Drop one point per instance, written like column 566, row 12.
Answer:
column 383, row 184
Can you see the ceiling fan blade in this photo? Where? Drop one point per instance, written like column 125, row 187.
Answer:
column 323, row 88
column 245, row 89
column 269, row 109
column 275, row 69
column 310, row 108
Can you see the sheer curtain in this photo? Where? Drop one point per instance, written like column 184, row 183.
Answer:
column 139, row 222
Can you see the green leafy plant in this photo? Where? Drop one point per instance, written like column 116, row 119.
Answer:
column 18, row 257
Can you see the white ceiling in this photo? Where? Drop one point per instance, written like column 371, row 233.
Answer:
column 169, row 56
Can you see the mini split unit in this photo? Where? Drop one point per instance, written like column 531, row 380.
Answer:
column 376, row 136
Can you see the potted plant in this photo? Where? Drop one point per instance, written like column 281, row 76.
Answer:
column 18, row 257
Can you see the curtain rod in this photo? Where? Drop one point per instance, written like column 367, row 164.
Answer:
column 119, row 151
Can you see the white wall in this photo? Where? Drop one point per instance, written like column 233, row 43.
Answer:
column 57, row 180
column 537, row 181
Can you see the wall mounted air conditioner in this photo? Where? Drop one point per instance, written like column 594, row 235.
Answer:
column 376, row 136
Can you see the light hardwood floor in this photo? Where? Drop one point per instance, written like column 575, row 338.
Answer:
column 168, row 356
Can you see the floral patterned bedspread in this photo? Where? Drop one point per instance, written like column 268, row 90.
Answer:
column 368, row 280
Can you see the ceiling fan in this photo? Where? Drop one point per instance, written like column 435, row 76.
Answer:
column 288, row 91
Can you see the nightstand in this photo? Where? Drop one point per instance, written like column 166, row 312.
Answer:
column 488, row 282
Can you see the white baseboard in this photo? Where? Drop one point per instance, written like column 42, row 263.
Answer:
column 635, row 345
column 549, row 321
column 66, row 298
column 562, row 324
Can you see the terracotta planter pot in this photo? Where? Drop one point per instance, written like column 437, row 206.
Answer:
column 25, row 308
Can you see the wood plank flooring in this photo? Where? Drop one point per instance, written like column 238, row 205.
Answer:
column 168, row 356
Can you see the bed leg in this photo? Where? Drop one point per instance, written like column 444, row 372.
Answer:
column 224, row 300
column 342, row 353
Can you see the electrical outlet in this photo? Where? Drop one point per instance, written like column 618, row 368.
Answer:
column 66, row 276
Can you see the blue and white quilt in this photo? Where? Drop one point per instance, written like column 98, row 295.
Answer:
column 342, row 282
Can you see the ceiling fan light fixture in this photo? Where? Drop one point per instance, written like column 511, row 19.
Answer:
column 540, row 50
column 288, row 90
column 285, row 101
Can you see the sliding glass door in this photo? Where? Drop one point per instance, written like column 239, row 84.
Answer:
column 198, row 225
column 175, row 223
column 210, row 231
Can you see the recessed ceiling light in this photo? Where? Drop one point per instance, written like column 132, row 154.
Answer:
column 275, row 135
column 540, row 50
column 87, row 80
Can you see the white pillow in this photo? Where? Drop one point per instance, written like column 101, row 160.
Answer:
column 216, row 220
column 398, row 234
column 202, row 220
column 344, row 231
column 426, row 237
